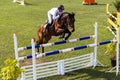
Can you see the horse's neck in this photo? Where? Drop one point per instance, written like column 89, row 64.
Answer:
column 57, row 24
column 63, row 19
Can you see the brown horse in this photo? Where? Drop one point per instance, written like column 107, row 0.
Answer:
column 64, row 24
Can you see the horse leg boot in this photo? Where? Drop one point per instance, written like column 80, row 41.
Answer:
column 69, row 34
column 46, row 28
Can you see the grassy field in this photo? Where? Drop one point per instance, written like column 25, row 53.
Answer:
column 25, row 20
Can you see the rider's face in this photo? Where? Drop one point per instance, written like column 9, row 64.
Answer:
column 60, row 10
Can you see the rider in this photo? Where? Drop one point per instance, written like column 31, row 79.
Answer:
column 53, row 14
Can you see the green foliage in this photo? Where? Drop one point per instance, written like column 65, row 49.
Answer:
column 117, row 4
column 10, row 71
column 111, row 50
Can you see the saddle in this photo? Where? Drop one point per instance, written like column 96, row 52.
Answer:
column 48, row 26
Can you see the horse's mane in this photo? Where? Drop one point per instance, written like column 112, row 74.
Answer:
column 70, row 14
column 62, row 15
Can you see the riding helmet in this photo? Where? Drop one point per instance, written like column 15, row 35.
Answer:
column 61, row 7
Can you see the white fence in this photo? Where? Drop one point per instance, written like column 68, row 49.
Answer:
column 59, row 67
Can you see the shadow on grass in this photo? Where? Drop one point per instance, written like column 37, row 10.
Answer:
column 93, row 74
column 101, row 4
column 31, row 4
column 26, row 3
column 99, row 73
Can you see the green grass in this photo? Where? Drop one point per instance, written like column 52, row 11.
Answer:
column 25, row 20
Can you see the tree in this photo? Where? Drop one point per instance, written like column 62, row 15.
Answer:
column 10, row 71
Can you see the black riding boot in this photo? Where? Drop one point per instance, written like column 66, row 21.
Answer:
column 46, row 28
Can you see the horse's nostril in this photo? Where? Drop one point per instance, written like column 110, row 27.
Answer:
column 73, row 30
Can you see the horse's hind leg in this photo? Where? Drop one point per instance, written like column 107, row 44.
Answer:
column 39, row 43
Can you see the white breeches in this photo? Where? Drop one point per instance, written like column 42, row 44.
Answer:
column 49, row 18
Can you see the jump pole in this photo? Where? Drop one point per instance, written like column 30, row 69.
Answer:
column 33, row 59
column 57, row 43
column 64, row 42
column 16, row 48
column 95, row 42
column 117, row 52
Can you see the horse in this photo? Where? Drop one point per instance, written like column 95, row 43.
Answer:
column 64, row 24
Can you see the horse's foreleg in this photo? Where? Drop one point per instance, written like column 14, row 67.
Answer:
column 37, row 43
column 69, row 34
column 62, row 36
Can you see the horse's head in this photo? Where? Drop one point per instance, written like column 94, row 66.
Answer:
column 67, row 19
column 70, row 21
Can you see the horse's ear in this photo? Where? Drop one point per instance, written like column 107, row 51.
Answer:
column 73, row 14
